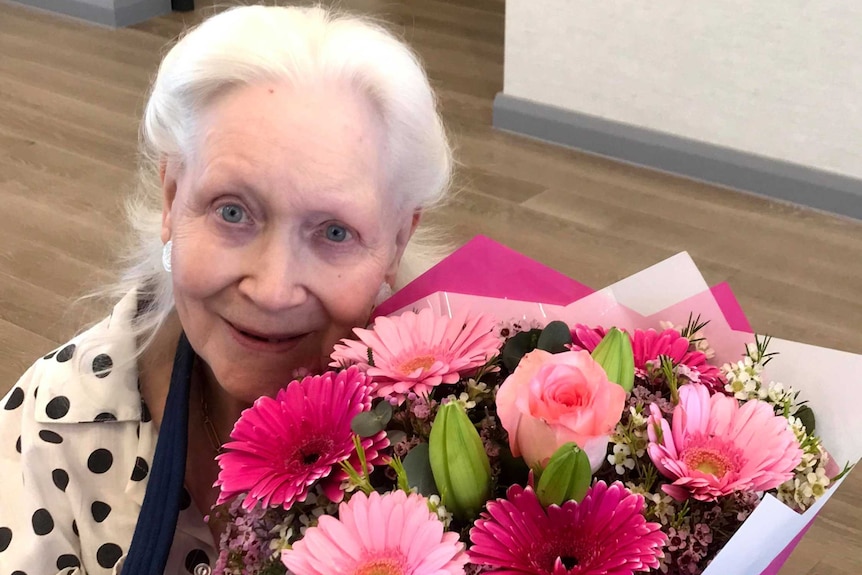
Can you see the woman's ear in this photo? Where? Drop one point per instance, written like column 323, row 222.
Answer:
column 168, row 174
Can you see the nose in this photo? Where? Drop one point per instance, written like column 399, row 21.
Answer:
column 274, row 275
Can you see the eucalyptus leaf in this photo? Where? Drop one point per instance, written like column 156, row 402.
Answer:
column 555, row 337
column 417, row 464
column 518, row 346
column 395, row 436
column 383, row 412
column 806, row 416
column 366, row 424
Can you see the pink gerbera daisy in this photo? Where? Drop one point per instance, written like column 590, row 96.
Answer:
column 715, row 447
column 392, row 534
column 605, row 534
column 415, row 352
column 649, row 345
column 281, row 447
column 585, row 337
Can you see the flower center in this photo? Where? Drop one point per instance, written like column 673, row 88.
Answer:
column 414, row 363
column 566, row 551
column 707, row 460
column 381, row 566
column 308, row 453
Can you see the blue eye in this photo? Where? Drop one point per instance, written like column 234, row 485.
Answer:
column 232, row 213
column 337, row 233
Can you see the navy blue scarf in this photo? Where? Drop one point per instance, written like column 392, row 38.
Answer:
column 157, row 522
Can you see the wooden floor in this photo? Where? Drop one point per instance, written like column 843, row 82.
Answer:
column 71, row 94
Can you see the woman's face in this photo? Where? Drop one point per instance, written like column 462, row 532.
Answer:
column 282, row 231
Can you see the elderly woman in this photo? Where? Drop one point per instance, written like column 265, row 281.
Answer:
column 287, row 155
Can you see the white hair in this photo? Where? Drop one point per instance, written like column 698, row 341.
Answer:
column 253, row 44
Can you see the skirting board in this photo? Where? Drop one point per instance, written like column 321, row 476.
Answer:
column 116, row 17
column 698, row 160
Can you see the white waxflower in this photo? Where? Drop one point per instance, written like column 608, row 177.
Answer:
column 436, row 507
column 779, row 396
column 619, row 434
column 463, row 399
column 775, row 391
column 703, row 346
column 637, row 419
column 818, row 482
column 743, row 379
column 504, row 330
column 620, row 458
column 690, row 374
column 662, row 506
column 477, row 389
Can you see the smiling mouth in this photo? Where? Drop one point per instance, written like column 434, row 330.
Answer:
column 265, row 337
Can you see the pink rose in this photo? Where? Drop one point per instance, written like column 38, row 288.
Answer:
column 552, row 399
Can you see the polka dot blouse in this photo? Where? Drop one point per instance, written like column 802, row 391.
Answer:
column 76, row 443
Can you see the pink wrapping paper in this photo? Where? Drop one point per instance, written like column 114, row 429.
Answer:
column 483, row 267
column 487, row 268
column 730, row 308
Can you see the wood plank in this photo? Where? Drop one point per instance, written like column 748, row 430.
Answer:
column 58, row 319
column 40, row 163
column 107, row 96
column 81, row 115
column 13, row 361
column 19, row 121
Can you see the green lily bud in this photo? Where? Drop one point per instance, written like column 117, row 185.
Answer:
column 614, row 354
column 567, row 476
column 459, row 462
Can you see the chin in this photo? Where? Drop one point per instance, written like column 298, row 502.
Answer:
column 247, row 382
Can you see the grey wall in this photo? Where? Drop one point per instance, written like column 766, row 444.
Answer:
column 777, row 80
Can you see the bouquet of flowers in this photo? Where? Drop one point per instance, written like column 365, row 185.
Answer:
column 471, row 434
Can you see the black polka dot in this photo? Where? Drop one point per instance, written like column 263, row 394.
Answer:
column 66, row 561
column 75, row 528
column 57, row 407
column 5, row 538
column 185, row 500
column 138, row 431
column 50, row 436
column 61, row 479
column 36, row 392
column 43, row 523
column 16, row 398
column 66, row 353
column 50, row 355
column 195, row 558
column 105, row 416
column 18, row 573
column 102, row 365
column 145, row 412
column 108, row 555
column 141, row 469
column 100, row 461
column 18, row 445
column 100, row 511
